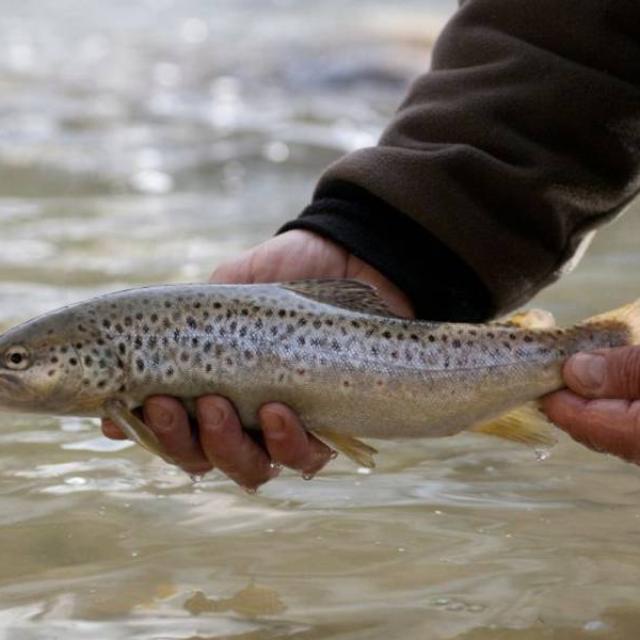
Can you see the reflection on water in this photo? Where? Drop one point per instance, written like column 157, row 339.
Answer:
column 143, row 142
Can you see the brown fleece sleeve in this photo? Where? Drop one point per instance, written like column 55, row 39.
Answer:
column 522, row 138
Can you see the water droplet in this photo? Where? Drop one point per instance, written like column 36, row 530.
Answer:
column 134, row 554
column 196, row 477
column 456, row 606
column 333, row 455
column 476, row 608
column 308, row 476
column 363, row 471
column 401, row 549
column 251, row 490
column 276, row 466
column 542, row 454
column 152, row 182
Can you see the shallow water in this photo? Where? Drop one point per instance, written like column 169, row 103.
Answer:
column 144, row 142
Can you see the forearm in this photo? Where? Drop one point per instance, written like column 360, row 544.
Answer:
column 523, row 138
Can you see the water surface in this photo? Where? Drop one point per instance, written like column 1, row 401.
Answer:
column 144, row 142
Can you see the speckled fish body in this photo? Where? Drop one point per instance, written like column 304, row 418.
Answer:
column 356, row 372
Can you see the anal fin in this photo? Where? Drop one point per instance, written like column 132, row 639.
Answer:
column 134, row 428
column 356, row 450
column 526, row 424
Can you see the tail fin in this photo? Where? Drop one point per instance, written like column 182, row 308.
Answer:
column 627, row 318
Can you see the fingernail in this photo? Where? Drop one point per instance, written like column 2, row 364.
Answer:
column 588, row 369
column 159, row 416
column 215, row 415
column 274, row 425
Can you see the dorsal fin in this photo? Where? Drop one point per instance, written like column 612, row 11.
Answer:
column 347, row 294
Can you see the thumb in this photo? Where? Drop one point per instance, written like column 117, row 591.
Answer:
column 610, row 373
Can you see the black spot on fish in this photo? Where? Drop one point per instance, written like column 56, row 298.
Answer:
column 106, row 323
column 217, row 305
column 456, row 344
column 184, row 357
column 82, row 328
column 140, row 364
column 122, row 348
column 528, row 338
column 281, row 313
column 100, row 342
column 244, row 312
column 317, row 324
column 248, row 355
column 139, row 316
column 152, row 342
column 302, row 322
column 243, row 332
column 119, row 328
column 176, row 335
column 259, row 324
column 88, row 360
column 153, row 317
column 208, row 368
column 167, row 304
column 228, row 362
column 102, row 384
column 302, row 341
column 138, row 342
column 400, row 336
column 54, row 360
column 145, row 328
column 329, row 322
column 274, row 331
column 512, row 336
column 122, row 388
column 414, row 337
column 268, row 313
column 233, row 326
column 491, row 334
column 128, row 321
column 194, row 342
column 386, row 334
column 292, row 314
column 79, row 345
column 102, row 363
column 208, row 328
column 191, row 322
column 73, row 361
column 155, row 359
column 51, row 373
column 197, row 305
column 355, row 324
column 169, row 372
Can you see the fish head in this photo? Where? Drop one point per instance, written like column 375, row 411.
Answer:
column 41, row 370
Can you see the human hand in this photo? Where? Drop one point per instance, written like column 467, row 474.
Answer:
column 222, row 442
column 601, row 408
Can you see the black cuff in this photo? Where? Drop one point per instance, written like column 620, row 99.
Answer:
column 439, row 284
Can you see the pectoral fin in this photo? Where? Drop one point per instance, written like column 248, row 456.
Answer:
column 134, row 428
column 356, row 450
column 525, row 424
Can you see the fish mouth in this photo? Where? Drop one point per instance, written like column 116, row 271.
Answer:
column 10, row 382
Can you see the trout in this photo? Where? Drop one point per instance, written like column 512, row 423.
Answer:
column 330, row 349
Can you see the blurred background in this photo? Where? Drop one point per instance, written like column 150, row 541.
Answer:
column 145, row 141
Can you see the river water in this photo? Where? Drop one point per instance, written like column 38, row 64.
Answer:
column 143, row 142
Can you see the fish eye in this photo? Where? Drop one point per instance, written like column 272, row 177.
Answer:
column 16, row 358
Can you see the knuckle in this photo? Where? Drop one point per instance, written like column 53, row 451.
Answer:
column 627, row 372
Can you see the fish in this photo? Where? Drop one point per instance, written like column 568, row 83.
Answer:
column 330, row 349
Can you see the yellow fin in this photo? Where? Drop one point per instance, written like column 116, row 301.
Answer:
column 530, row 319
column 351, row 447
column 627, row 316
column 134, row 428
column 525, row 424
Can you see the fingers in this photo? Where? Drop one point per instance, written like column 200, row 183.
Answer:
column 169, row 421
column 111, row 430
column 611, row 426
column 289, row 444
column 228, row 447
column 611, row 373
